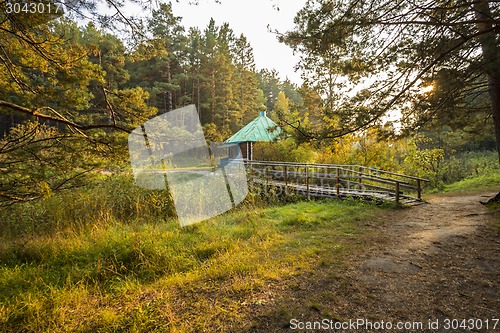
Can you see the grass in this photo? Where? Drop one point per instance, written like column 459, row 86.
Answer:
column 113, row 271
column 475, row 184
column 111, row 258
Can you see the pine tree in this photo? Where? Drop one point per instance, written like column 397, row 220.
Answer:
column 247, row 93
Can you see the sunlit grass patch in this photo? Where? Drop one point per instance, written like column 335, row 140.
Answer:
column 478, row 183
column 147, row 275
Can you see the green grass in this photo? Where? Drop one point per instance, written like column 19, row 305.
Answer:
column 474, row 184
column 148, row 275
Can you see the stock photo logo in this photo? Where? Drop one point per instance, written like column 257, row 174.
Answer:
column 170, row 152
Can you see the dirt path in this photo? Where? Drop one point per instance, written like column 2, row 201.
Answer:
column 442, row 261
column 426, row 263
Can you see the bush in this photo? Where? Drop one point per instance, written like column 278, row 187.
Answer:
column 284, row 151
column 441, row 169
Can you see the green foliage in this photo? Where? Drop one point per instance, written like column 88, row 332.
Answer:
column 113, row 100
column 368, row 60
column 271, row 86
column 213, row 134
column 41, row 67
column 285, row 150
column 213, row 69
column 475, row 183
column 71, row 80
column 421, row 157
column 425, row 163
column 31, row 165
column 364, row 149
column 83, row 84
column 445, row 168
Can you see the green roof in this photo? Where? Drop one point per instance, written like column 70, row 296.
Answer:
column 260, row 129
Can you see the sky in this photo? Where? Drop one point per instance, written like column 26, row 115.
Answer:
column 251, row 18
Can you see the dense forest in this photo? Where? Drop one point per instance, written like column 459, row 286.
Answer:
column 70, row 93
column 95, row 73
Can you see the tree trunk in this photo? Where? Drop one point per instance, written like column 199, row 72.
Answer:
column 491, row 58
column 494, row 91
column 169, row 93
column 212, row 115
column 198, row 102
column 192, row 91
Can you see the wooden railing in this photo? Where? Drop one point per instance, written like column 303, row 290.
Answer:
column 329, row 180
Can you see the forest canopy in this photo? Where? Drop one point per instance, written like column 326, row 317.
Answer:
column 70, row 91
column 74, row 83
column 436, row 63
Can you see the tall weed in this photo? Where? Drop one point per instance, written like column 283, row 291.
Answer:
column 111, row 198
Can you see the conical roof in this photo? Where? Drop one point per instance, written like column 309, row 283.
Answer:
column 260, row 129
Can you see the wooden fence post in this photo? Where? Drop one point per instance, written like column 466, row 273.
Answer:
column 397, row 192
column 419, row 189
column 286, row 176
column 338, row 182
column 307, row 182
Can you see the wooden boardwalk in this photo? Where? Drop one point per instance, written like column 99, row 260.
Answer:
column 335, row 181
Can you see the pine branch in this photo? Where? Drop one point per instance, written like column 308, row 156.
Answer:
column 60, row 120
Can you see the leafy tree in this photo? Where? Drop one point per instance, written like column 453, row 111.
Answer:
column 194, row 60
column 168, row 38
column 312, row 108
column 36, row 160
column 229, row 94
column 156, row 64
column 68, row 81
column 43, row 74
column 217, row 68
column 396, row 51
column 291, row 90
column 113, row 101
column 282, row 105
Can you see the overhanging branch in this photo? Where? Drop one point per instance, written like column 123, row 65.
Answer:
column 36, row 113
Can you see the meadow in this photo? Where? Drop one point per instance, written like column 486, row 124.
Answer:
column 112, row 258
